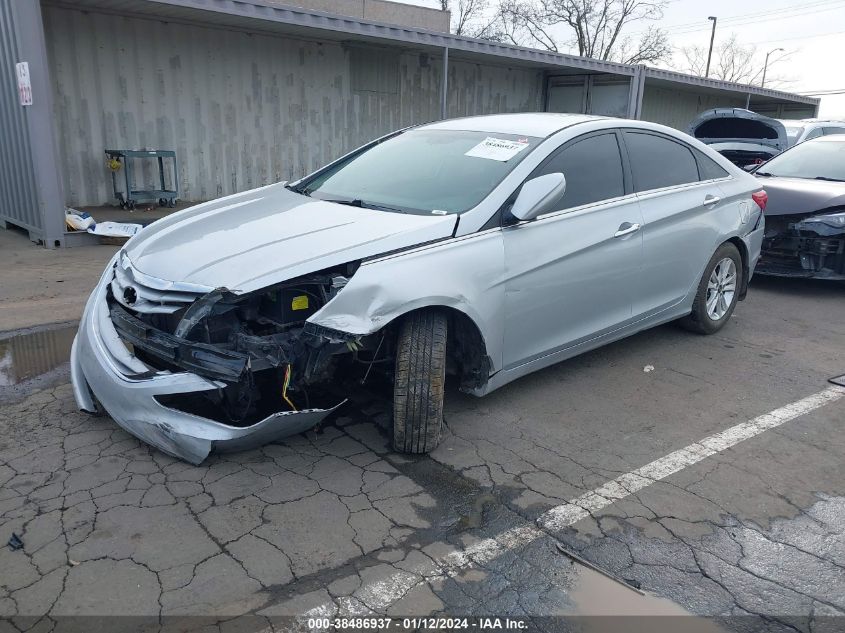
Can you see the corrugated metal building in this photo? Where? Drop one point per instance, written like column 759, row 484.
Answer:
column 250, row 92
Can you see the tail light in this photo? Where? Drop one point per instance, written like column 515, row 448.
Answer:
column 761, row 198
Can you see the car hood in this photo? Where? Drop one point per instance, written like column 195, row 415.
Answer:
column 793, row 196
column 260, row 237
column 741, row 127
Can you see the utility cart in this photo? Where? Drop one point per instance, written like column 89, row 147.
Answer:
column 119, row 159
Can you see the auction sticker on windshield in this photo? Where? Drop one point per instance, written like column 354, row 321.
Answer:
column 497, row 149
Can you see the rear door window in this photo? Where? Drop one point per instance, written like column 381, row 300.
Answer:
column 592, row 168
column 658, row 162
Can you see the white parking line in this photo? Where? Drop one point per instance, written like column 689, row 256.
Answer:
column 388, row 590
column 581, row 507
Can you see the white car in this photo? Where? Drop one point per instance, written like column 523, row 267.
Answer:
column 488, row 247
column 798, row 131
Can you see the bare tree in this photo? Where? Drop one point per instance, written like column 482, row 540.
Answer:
column 592, row 28
column 731, row 61
column 471, row 18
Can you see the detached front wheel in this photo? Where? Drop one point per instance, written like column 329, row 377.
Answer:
column 419, row 381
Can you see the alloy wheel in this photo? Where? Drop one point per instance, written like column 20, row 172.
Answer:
column 721, row 288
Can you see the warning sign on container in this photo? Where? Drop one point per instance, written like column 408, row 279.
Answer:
column 24, row 83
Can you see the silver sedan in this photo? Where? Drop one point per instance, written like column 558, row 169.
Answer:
column 484, row 248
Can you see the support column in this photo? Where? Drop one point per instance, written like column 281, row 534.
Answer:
column 444, row 87
column 40, row 124
column 635, row 94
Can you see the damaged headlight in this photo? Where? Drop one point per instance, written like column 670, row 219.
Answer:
column 836, row 220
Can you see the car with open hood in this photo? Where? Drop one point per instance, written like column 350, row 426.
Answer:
column 481, row 248
column 805, row 215
column 742, row 136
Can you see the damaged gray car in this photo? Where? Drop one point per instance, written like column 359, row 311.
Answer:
column 805, row 217
column 482, row 248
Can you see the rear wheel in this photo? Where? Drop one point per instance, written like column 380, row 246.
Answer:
column 718, row 292
column 419, row 381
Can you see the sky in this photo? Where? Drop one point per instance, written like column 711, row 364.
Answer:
column 812, row 32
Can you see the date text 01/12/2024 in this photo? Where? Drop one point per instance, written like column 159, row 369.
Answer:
column 416, row 623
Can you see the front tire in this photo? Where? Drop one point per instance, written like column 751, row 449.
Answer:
column 718, row 292
column 419, row 381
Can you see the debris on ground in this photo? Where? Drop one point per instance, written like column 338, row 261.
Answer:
column 648, row 368
column 115, row 229
column 596, row 568
column 634, row 583
column 78, row 220
column 15, row 542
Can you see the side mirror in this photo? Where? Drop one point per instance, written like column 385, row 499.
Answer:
column 538, row 196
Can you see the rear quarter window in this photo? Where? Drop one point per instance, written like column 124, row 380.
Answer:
column 709, row 169
column 658, row 162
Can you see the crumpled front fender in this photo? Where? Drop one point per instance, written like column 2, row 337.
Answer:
column 446, row 274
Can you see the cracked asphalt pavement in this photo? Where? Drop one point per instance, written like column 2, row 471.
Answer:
column 333, row 522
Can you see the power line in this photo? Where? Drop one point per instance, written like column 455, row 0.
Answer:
column 770, row 18
column 771, row 15
column 797, row 37
column 775, row 13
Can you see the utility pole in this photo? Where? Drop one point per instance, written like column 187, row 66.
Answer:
column 766, row 65
column 710, row 52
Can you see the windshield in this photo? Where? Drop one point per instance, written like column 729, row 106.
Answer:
column 820, row 159
column 423, row 171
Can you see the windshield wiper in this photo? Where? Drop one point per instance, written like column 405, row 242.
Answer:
column 297, row 189
column 357, row 202
column 829, row 179
column 762, row 173
column 353, row 202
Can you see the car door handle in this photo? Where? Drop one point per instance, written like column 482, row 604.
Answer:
column 710, row 200
column 626, row 228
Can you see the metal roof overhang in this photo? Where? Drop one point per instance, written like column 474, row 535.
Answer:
column 274, row 18
column 681, row 81
column 263, row 16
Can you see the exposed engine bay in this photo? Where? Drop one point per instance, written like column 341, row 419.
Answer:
column 743, row 158
column 258, row 347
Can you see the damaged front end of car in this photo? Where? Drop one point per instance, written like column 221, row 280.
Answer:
column 196, row 370
column 805, row 245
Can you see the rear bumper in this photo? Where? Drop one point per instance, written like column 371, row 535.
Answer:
column 105, row 373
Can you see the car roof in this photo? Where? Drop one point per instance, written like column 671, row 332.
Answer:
column 540, row 124
column 807, row 122
column 830, row 138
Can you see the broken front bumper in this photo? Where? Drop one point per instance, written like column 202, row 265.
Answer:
column 104, row 371
column 798, row 249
